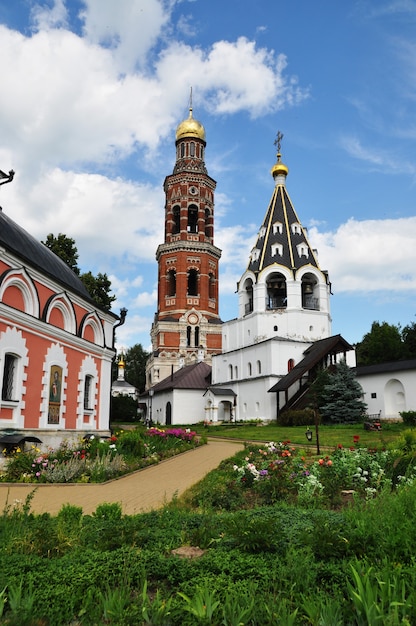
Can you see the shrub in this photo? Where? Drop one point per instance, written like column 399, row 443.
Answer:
column 408, row 417
column 296, row 418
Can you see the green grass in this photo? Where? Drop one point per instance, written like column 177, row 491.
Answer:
column 329, row 436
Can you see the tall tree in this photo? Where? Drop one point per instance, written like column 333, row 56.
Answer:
column 383, row 343
column 135, row 372
column 342, row 396
column 65, row 248
column 409, row 340
column 98, row 287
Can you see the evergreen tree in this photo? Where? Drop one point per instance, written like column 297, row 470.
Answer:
column 342, row 397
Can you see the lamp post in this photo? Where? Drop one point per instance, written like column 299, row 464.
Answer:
column 151, row 394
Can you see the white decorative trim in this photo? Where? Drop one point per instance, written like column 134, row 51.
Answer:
column 20, row 279
column 54, row 356
column 88, row 368
column 94, row 321
column 64, row 305
column 12, row 341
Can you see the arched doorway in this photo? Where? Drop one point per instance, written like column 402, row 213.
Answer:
column 168, row 414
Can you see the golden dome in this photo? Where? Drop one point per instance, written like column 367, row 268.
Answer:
column 279, row 168
column 190, row 128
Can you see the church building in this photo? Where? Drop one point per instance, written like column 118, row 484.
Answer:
column 282, row 335
column 56, row 346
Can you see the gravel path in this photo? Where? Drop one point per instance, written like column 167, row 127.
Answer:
column 142, row 491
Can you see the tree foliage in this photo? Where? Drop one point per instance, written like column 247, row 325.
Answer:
column 99, row 287
column 340, row 399
column 382, row 344
column 135, row 359
column 65, row 248
column 123, row 408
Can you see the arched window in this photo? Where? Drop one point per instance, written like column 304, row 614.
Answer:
column 208, row 224
column 276, row 297
column 248, row 296
column 192, row 282
column 250, row 369
column 236, row 372
column 258, row 367
column 230, row 372
column 211, row 287
column 192, row 149
column 192, row 219
column 290, row 365
column 171, row 279
column 310, row 292
column 196, row 336
column 188, row 336
column 182, row 150
column 176, row 227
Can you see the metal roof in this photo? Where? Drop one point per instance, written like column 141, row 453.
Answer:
column 34, row 253
column 313, row 355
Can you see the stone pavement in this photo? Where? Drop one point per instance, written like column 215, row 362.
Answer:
column 139, row 492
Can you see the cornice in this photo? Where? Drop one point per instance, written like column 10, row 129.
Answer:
column 188, row 246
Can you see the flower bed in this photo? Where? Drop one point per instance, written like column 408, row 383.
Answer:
column 277, row 471
column 95, row 459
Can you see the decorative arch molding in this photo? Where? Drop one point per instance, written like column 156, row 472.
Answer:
column 20, row 279
column 55, row 355
column 274, row 269
column 63, row 304
column 310, row 269
column 13, row 342
column 87, row 418
column 93, row 322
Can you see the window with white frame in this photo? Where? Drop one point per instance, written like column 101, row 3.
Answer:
column 277, row 228
column 277, row 249
column 8, row 389
column 88, row 387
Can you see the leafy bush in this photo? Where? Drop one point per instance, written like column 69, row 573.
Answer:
column 296, row 418
column 408, row 417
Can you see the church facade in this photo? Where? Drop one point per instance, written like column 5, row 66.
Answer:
column 283, row 331
column 56, row 346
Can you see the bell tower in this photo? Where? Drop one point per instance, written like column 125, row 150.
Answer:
column 186, row 328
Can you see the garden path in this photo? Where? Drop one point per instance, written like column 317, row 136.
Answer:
column 142, row 491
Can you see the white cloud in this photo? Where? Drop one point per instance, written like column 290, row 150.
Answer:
column 45, row 18
column 130, row 31
column 369, row 255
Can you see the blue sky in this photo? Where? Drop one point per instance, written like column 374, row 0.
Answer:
column 92, row 93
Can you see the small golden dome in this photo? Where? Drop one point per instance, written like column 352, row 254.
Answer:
column 279, row 168
column 190, row 128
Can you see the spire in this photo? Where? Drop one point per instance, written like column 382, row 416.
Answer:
column 281, row 240
column 279, row 171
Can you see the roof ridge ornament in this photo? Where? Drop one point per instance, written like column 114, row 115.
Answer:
column 279, row 170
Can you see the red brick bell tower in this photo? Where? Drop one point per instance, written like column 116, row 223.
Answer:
column 187, row 327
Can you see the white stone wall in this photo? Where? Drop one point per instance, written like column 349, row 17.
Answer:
column 393, row 391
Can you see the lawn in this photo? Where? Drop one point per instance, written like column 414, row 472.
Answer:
column 329, row 436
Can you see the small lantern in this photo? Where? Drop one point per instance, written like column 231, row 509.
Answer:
column 308, row 434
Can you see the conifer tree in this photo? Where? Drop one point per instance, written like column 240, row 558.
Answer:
column 342, row 397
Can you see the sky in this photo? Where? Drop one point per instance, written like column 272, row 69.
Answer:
column 92, row 92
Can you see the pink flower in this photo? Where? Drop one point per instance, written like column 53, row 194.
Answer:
column 329, row 463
